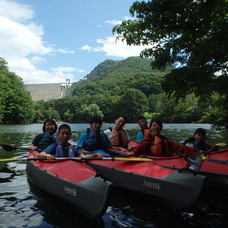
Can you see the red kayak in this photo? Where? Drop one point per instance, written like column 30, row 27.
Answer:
column 73, row 181
column 219, row 156
column 214, row 167
column 175, row 188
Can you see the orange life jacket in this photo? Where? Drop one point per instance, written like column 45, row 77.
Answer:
column 119, row 138
column 146, row 131
column 159, row 147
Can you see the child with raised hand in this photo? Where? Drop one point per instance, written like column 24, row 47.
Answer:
column 63, row 148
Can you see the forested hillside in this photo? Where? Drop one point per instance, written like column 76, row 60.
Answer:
column 129, row 87
column 114, row 69
column 120, row 87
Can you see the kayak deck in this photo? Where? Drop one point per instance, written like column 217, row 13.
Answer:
column 168, row 186
column 72, row 181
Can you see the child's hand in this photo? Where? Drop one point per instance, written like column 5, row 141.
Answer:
column 97, row 155
column 33, row 148
column 123, row 149
column 130, row 153
column 50, row 157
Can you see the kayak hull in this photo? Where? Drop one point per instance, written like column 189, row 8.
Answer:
column 214, row 167
column 176, row 189
column 74, row 182
column 216, row 172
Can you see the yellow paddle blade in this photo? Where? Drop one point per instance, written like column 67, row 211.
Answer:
column 203, row 156
column 132, row 159
column 220, row 144
column 8, row 159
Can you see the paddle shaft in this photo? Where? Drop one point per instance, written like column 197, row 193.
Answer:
column 82, row 159
column 11, row 148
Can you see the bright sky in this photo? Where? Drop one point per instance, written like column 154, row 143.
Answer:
column 49, row 41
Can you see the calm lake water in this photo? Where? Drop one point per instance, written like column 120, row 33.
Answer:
column 24, row 205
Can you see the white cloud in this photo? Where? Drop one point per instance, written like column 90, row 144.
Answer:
column 22, row 44
column 126, row 18
column 31, row 75
column 37, row 59
column 67, row 69
column 64, row 51
column 113, row 22
column 86, row 48
column 20, row 40
column 15, row 11
column 113, row 47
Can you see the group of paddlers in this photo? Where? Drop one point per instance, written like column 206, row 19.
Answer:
column 54, row 141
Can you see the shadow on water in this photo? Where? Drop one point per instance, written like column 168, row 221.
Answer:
column 58, row 213
column 6, row 174
column 134, row 210
column 29, row 206
column 24, row 205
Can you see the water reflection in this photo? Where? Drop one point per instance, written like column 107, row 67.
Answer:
column 58, row 213
column 24, row 205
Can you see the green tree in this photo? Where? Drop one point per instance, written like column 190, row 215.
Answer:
column 189, row 35
column 16, row 105
column 162, row 106
column 44, row 110
column 169, row 109
column 216, row 110
column 86, row 112
column 132, row 105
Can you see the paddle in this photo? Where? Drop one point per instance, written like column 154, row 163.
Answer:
column 220, row 144
column 82, row 159
column 188, row 158
column 204, row 155
column 11, row 148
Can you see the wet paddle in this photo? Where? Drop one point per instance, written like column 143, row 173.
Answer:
column 188, row 159
column 11, row 148
column 204, row 155
column 82, row 159
column 220, row 144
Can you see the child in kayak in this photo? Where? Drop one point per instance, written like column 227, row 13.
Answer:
column 43, row 140
column 95, row 141
column 155, row 144
column 142, row 122
column 118, row 136
column 198, row 140
column 63, row 148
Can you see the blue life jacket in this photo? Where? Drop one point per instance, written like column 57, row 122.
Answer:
column 95, row 141
column 47, row 140
column 63, row 151
column 198, row 145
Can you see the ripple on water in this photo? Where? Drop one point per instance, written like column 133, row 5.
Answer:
column 24, row 205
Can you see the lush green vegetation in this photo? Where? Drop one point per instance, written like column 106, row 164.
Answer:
column 188, row 81
column 107, row 92
column 16, row 105
column 190, row 36
column 129, row 87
